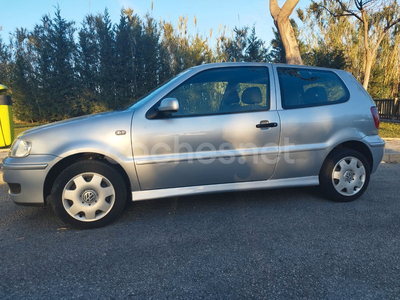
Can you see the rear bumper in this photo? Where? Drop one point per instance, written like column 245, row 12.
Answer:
column 26, row 176
column 377, row 147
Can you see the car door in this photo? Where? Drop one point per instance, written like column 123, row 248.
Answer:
column 225, row 131
column 312, row 104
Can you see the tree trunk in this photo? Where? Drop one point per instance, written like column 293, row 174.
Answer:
column 282, row 23
column 369, row 57
column 368, row 53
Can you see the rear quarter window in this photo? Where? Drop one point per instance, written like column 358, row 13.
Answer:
column 307, row 87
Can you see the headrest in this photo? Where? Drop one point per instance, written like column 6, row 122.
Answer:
column 316, row 94
column 230, row 97
column 252, row 96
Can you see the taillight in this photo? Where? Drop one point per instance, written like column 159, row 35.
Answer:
column 375, row 115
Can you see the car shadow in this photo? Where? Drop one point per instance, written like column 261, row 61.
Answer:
column 43, row 218
column 215, row 202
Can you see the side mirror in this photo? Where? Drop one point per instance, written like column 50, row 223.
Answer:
column 168, row 105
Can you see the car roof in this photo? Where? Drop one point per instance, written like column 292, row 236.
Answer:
column 254, row 64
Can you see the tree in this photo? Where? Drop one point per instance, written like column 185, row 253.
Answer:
column 277, row 53
column 127, row 40
column 152, row 71
column 87, row 66
column 62, row 74
column 54, row 73
column 200, row 52
column 48, row 55
column 255, row 50
column 327, row 58
column 106, row 41
column 41, row 69
column 376, row 18
column 170, row 45
column 241, row 47
column 4, row 63
column 285, row 29
column 22, row 81
column 233, row 50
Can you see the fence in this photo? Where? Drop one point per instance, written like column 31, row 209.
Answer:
column 389, row 109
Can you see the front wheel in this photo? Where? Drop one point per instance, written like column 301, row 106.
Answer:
column 88, row 194
column 344, row 175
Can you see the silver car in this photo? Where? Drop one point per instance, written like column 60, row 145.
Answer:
column 213, row 128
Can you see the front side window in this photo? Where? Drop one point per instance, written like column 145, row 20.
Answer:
column 224, row 90
column 306, row 87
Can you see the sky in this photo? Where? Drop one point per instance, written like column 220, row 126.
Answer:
column 209, row 13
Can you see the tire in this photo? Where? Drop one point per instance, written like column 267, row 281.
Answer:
column 88, row 194
column 345, row 175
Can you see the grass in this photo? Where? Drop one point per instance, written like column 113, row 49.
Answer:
column 387, row 130
column 21, row 127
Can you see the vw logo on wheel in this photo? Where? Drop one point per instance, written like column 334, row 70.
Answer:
column 89, row 196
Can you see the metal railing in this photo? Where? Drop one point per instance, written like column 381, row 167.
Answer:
column 389, row 109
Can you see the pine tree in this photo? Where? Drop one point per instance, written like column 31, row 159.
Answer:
column 233, row 50
column 22, row 79
column 87, row 66
column 151, row 67
column 107, row 61
column 255, row 50
column 62, row 80
column 277, row 53
column 127, row 36
column 4, row 63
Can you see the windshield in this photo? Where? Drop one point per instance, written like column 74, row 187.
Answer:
column 150, row 94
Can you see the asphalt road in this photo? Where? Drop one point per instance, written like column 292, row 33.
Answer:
column 272, row 244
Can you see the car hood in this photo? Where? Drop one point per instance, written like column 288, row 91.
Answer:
column 78, row 121
column 87, row 132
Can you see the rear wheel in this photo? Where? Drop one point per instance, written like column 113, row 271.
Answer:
column 344, row 175
column 89, row 194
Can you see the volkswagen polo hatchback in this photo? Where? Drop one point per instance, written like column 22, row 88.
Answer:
column 213, row 128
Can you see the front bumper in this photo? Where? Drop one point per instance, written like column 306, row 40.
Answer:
column 26, row 176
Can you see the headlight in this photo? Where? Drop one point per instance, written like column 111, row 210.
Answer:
column 20, row 148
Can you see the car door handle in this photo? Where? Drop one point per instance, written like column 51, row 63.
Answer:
column 266, row 124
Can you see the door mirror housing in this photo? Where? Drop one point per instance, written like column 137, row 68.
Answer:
column 168, row 105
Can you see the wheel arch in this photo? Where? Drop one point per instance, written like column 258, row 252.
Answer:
column 357, row 146
column 67, row 161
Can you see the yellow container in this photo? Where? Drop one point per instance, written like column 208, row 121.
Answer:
column 6, row 121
